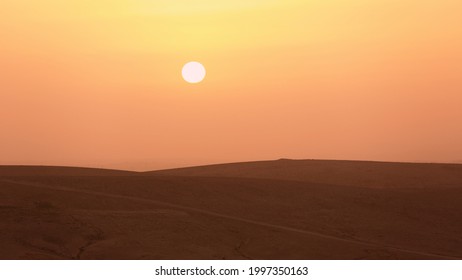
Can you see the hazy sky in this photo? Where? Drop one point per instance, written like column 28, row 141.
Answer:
column 98, row 82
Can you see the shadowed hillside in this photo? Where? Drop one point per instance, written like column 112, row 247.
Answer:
column 350, row 173
column 18, row 170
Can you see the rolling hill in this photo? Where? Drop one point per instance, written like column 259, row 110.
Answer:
column 281, row 209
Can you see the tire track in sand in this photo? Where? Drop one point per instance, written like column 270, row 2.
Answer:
column 229, row 217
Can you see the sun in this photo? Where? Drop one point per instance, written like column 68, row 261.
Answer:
column 193, row 72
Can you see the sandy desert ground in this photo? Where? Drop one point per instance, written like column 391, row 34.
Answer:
column 284, row 209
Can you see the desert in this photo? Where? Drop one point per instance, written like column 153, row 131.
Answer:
column 281, row 209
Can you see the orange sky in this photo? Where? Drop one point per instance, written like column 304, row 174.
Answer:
column 98, row 82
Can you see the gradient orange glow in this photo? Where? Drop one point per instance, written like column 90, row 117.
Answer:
column 98, row 82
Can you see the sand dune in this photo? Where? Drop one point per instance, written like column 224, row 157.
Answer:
column 337, row 172
column 18, row 170
column 205, row 213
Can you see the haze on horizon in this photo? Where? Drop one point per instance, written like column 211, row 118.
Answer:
column 99, row 82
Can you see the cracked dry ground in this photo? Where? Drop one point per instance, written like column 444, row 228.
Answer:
column 46, row 233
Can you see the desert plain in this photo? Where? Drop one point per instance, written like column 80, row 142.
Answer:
column 281, row 209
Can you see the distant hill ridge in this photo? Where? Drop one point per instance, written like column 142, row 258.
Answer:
column 338, row 172
column 28, row 170
column 335, row 172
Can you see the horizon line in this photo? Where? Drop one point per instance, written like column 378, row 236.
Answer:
column 229, row 163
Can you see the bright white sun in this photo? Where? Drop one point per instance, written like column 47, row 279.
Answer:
column 193, row 72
